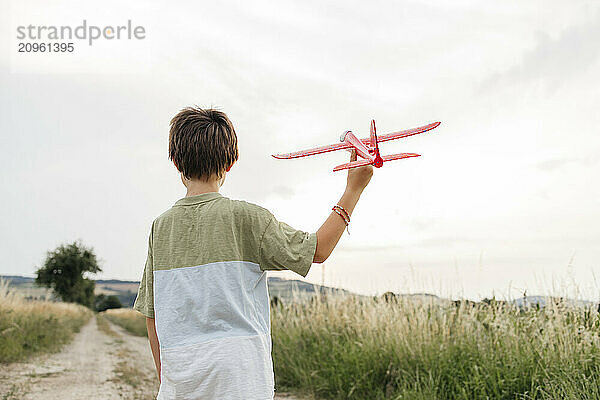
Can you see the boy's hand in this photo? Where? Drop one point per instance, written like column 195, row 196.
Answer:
column 358, row 178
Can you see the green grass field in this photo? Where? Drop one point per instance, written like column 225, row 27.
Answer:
column 32, row 327
column 347, row 347
column 361, row 348
column 127, row 318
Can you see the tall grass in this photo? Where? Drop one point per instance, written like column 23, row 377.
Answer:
column 362, row 348
column 32, row 327
column 129, row 319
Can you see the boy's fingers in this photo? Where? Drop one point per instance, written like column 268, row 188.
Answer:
column 353, row 155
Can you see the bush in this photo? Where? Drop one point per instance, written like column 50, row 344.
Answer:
column 104, row 303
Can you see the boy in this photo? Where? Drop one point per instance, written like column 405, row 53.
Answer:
column 204, row 287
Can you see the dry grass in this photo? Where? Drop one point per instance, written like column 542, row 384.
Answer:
column 31, row 327
column 129, row 319
column 362, row 348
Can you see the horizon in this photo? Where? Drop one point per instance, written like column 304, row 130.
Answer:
column 451, row 298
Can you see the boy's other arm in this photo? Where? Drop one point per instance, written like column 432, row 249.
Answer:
column 153, row 338
column 332, row 229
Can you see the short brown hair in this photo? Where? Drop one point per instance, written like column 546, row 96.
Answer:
column 202, row 142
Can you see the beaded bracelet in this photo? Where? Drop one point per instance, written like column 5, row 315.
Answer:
column 344, row 210
column 344, row 215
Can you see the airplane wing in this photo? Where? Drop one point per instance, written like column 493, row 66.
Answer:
column 353, row 164
column 402, row 134
column 362, row 163
column 400, row 156
column 367, row 141
column 316, row 150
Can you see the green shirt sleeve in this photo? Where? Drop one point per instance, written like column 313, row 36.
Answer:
column 283, row 247
column 144, row 302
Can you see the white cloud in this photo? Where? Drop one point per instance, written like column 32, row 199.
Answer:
column 555, row 59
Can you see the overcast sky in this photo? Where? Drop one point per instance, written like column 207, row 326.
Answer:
column 504, row 199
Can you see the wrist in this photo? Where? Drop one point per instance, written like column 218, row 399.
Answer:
column 354, row 191
column 349, row 199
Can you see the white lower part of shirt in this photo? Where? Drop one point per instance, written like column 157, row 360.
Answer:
column 213, row 326
column 230, row 368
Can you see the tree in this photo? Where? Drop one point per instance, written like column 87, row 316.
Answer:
column 103, row 302
column 64, row 270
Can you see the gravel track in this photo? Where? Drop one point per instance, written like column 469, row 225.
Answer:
column 96, row 365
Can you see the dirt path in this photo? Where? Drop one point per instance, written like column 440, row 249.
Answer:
column 106, row 363
column 96, row 365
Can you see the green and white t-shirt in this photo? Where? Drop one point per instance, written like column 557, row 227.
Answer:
column 205, row 284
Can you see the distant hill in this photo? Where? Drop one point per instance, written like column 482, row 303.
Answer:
column 27, row 288
column 296, row 290
column 287, row 290
column 21, row 280
column 111, row 281
column 424, row 298
column 126, row 291
column 17, row 280
column 542, row 301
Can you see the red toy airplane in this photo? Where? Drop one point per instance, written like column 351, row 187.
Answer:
column 367, row 148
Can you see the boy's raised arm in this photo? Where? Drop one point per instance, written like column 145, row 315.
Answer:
column 330, row 232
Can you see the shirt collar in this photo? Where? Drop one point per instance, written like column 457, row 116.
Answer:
column 197, row 199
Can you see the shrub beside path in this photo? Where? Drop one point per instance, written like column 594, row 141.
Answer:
column 102, row 362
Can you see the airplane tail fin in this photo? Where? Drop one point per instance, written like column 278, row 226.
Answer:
column 374, row 142
column 378, row 162
column 373, row 134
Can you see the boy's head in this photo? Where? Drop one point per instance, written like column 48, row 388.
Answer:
column 202, row 143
